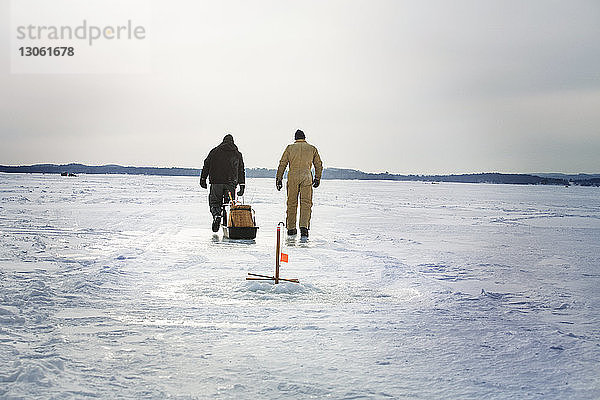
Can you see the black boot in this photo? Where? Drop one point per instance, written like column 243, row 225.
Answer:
column 292, row 232
column 303, row 231
column 216, row 223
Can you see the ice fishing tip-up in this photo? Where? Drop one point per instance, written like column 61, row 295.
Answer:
column 279, row 257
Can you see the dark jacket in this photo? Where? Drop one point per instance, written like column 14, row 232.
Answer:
column 224, row 164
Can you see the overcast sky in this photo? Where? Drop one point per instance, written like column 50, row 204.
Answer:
column 398, row 86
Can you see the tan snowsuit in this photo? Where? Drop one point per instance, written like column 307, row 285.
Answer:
column 300, row 156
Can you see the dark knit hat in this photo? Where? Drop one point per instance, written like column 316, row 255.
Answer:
column 228, row 138
column 299, row 135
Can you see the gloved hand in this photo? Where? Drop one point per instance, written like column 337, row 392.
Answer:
column 203, row 183
column 278, row 184
column 242, row 188
column 316, row 182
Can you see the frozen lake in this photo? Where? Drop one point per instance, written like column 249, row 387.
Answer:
column 116, row 287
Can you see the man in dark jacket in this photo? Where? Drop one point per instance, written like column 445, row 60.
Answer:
column 224, row 166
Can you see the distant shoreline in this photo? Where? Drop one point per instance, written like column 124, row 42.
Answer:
column 328, row 173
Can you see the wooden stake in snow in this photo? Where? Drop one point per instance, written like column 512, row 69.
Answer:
column 279, row 256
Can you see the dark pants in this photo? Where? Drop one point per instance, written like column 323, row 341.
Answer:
column 218, row 195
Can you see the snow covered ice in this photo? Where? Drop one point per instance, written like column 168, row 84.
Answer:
column 115, row 287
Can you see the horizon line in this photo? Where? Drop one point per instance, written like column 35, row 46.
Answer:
column 339, row 168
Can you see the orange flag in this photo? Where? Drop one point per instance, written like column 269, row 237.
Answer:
column 284, row 257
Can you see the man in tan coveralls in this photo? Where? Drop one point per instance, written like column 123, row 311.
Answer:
column 300, row 156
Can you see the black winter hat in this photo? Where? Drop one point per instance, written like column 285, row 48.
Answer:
column 228, row 138
column 299, row 135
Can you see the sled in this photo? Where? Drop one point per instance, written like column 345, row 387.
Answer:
column 241, row 222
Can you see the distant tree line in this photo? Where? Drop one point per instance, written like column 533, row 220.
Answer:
column 588, row 182
column 328, row 173
column 101, row 169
